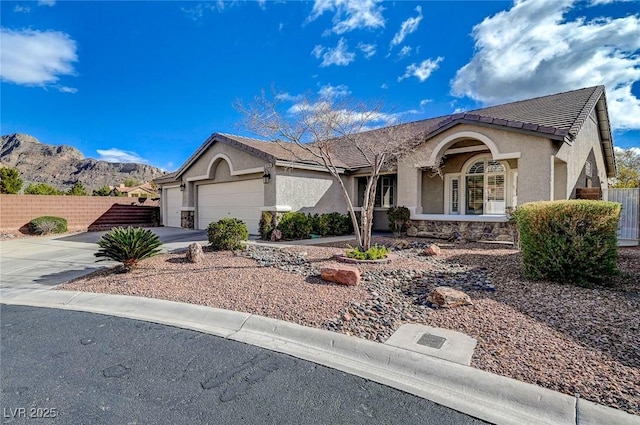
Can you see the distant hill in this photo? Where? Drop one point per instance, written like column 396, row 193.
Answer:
column 63, row 166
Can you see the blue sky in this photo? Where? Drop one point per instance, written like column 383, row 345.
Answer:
column 143, row 81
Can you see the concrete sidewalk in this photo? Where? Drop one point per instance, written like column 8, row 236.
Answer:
column 31, row 267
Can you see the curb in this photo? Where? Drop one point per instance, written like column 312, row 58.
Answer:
column 490, row 397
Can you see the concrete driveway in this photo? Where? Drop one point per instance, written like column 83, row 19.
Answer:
column 43, row 262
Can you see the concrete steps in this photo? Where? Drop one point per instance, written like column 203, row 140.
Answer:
column 120, row 215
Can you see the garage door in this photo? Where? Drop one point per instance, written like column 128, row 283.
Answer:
column 173, row 200
column 241, row 199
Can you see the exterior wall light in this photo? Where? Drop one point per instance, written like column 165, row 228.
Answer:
column 266, row 177
column 182, row 186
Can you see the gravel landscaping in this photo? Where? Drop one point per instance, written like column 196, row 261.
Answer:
column 566, row 338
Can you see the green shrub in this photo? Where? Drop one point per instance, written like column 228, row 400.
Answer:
column 266, row 225
column 42, row 189
column 295, row 225
column 10, row 181
column 340, row 224
column 47, row 224
column 227, row 234
column 102, row 191
column 376, row 252
column 319, row 224
column 571, row 241
column 128, row 245
column 398, row 219
column 77, row 189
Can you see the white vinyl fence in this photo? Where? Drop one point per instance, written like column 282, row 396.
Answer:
column 629, row 226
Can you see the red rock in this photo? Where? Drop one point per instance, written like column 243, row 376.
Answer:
column 432, row 249
column 345, row 275
column 448, row 297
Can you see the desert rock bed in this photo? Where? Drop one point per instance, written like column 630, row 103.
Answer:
column 578, row 341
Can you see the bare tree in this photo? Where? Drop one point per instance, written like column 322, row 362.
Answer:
column 324, row 128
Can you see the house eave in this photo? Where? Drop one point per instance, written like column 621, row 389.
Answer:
column 513, row 126
column 305, row 166
column 605, row 136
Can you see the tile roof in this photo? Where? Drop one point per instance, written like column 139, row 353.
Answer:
column 557, row 116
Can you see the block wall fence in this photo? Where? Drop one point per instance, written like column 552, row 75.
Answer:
column 80, row 211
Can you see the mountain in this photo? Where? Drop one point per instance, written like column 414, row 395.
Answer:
column 62, row 166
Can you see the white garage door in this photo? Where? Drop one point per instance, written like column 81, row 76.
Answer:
column 241, row 200
column 173, row 201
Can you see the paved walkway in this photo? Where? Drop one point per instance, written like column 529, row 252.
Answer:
column 33, row 266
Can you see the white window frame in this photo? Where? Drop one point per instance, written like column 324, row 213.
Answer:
column 448, row 193
column 510, row 187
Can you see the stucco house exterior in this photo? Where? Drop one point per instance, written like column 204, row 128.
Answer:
column 487, row 161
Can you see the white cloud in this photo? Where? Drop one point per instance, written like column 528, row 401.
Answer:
column 340, row 55
column 333, row 92
column 196, row 12
column 599, row 2
column 32, row 57
column 350, row 15
column 532, row 50
column 405, row 51
column 118, row 155
column 423, row 70
column 49, row 3
column 619, row 150
column 65, row 89
column 384, row 86
column 367, row 49
column 286, row 97
column 424, row 102
column 407, row 27
column 328, row 104
column 21, row 9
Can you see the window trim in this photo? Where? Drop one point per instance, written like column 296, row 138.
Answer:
column 510, row 178
column 394, row 190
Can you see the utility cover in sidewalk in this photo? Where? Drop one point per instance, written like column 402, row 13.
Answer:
column 437, row 342
column 432, row 341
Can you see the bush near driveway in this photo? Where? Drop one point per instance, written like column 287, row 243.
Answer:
column 227, row 234
column 47, row 224
column 571, row 241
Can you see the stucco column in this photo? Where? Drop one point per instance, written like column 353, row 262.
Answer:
column 535, row 176
column 409, row 186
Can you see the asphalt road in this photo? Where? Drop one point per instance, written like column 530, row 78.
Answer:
column 67, row 367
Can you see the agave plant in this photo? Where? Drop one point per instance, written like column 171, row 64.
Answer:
column 128, row 246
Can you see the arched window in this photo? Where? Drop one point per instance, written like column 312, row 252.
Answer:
column 485, row 182
column 481, row 188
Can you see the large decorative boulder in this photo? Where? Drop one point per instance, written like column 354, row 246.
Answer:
column 412, row 231
column 344, row 275
column 432, row 249
column 194, row 253
column 446, row 297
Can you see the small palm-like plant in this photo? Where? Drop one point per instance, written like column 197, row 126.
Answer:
column 128, row 246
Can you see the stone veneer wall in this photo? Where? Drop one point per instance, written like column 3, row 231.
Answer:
column 467, row 230
column 187, row 219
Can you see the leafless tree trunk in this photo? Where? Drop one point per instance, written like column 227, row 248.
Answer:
column 314, row 128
